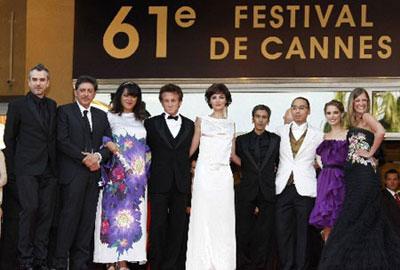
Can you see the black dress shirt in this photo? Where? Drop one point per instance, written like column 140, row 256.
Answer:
column 258, row 146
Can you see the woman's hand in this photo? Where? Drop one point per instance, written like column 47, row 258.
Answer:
column 112, row 147
column 364, row 153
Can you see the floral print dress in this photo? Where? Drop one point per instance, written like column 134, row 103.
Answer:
column 120, row 232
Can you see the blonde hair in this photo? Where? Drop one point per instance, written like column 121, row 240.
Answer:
column 350, row 106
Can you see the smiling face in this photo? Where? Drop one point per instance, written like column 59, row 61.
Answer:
column 392, row 181
column 300, row 111
column 361, row 104
column 38, row 82
column 128, row 101
column 218, row 101
column 85, row 94
column 333, row 115
column 170, row 102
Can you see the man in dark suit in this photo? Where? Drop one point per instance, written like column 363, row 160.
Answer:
column 391, row 199
column 169, row 136
column 80, row 130
column 259, row 153
column 29, row 137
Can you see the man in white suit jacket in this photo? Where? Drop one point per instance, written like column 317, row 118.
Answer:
column 296, row 186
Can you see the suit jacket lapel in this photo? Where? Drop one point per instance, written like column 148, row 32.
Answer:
column 78, row 115
column 32, row 107
column 269, row 151
column 52, row 111
column 183, row 133
column 307, row 139
column 95, row 123
column 162, row 129
column 245, row 148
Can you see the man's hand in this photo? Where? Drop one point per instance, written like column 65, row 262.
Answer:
column 91, row 161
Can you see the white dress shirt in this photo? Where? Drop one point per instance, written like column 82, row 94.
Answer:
column 391, row 192
column 89, row 114
column 298, row 130
column 174, row 126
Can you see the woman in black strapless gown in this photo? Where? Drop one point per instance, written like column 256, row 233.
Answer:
column 362, row 237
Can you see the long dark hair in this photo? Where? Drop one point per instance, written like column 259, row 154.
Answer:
column 133, row 90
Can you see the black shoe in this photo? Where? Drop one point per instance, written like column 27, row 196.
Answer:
column 25, row 267
column 41, row 267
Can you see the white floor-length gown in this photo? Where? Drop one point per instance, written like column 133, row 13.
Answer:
column 211, row 239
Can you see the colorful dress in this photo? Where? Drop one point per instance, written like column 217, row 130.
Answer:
column 330, row 185
column 120, row 232
column 362, row 237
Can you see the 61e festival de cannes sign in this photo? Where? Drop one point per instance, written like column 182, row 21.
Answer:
column 230, row 39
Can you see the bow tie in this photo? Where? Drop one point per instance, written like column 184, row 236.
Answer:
column 173, row 117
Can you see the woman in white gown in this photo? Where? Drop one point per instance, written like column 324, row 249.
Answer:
column 211, row 239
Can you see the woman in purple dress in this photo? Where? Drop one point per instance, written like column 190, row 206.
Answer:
column 120, row 232
column 332, row 153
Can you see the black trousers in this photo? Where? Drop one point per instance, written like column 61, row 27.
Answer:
column 254, row 233
column 9, row 228
column 36, row 195
column 77, row 221
column 167, row 229
column 293, row 231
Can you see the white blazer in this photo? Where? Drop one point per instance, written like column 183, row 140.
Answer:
column 302, row 165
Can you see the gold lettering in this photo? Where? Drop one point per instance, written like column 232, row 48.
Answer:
column 295, row 48
column 276, row 13
column 315, row 45
column 214, row 55
column 323, row 18
column 239, row 15
column 293, row 9
column 306, row 16
column 345, row 16
column 118, row 26
column 364, row 46
column 240, row 47
column 341, row 46
column 185, row 16
column 161, row 33
column 264, row 48
column 364, row 19
column 257, row 16
column 383, row 43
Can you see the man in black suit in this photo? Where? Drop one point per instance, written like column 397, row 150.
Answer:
column 80, row 130
column 29, row 137
column 259, row 153
column 391, row 199
column 169, row 136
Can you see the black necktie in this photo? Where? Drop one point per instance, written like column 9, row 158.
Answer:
column 173, row 117
column 43, row 111
column 88, row 132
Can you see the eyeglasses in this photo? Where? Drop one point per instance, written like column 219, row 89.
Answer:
column 301, row 108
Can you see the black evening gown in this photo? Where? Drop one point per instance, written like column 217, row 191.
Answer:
column 362, row 237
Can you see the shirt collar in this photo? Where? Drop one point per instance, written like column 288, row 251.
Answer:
column 167, row 114
column 301, row 127
column 391, row 191
column 81, row 108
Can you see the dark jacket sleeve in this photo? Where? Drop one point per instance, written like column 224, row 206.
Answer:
column 104, row 152
column 64, row 143
column 11, row 133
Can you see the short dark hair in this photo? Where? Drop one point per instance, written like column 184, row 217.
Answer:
column 86, row 79
column 133, row 90
column 263, row 108
column 39, row 67
column 170, row 88
column 302, row 98
column 218, row 88
column 392, row 171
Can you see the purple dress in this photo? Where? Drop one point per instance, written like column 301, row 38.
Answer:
column 330, row 186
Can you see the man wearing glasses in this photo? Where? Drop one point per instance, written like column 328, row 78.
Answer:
column 296, row 186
